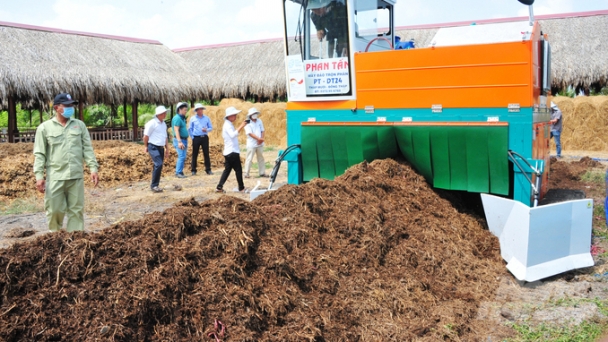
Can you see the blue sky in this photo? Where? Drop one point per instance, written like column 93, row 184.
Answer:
column 187, row 23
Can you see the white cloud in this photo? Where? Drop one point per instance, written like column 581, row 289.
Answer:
column 233, row 21
column 90, row 16
column 550, row 7
column 187, row 11
column 413, row 12
column 153, row 27
column 4, row 14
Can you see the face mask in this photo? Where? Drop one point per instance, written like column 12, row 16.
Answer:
column 254, row 116
column 68, row 112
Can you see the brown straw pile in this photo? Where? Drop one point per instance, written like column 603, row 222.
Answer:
column 585, row 125
column 272, row 115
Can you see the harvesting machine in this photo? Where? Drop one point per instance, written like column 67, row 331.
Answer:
column 468, row 111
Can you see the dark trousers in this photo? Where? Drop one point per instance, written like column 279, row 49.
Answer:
column 157, row 153
column 198, row 142
column 232, row 162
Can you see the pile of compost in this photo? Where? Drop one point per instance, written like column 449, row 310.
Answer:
column 375, row 255
column 567, row 175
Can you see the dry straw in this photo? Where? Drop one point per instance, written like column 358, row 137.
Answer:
column 585, row 125
column 240, row 70
column 272, row 115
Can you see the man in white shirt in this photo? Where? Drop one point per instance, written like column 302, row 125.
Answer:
column 156, row 142
column 255, row 142
column 232, row 158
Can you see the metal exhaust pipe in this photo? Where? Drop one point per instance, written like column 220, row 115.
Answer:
column 529, row 4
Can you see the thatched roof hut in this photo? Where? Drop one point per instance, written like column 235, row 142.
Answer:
column 579, row 46
column 36, row 63
column 239, row 69
column 579, row 55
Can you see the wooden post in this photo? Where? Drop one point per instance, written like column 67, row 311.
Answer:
column 191, row 103
column 12, row 119
column 40, row 111
column 124, row 113
column 112, row 114
column 135, row 128
column 30, row 111
column 81, row 110
column 171, row 112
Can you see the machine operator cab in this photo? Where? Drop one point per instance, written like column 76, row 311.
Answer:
column 321, row 37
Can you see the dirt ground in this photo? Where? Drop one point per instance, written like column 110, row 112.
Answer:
column 375, row 255
column 114, row 201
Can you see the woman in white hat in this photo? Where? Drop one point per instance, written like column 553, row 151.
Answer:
column 255, row 142
column 232, row 157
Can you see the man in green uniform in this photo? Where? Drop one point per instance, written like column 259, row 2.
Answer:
column 62, row 145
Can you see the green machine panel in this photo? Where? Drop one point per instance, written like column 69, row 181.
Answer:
column 467, row 156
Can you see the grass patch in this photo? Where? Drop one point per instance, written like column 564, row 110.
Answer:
column 584, row 332
column 593, row 176
column 602, row 305
column 21, row 206
column 599, row 221
column 254, row 166
column 269, row 148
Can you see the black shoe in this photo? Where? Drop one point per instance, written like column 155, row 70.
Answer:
column 209, row 172
column 179, row 175
column 194, row 173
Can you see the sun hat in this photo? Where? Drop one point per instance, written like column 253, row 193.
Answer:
column 252, row 111
column 180, row 105
column 160, row 110
column 199, row 106
column 231, row 111
column 553, row 105
column 314, row 4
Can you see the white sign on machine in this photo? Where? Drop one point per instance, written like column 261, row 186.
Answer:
column 295, row 74
column 327, row 76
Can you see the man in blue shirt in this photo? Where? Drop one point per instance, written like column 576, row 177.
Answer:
column 180, row 138
column 199, row 128
column 556, row 127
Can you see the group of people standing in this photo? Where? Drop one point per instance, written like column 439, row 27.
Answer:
column 156, row 141
column 63, row 145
